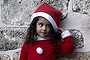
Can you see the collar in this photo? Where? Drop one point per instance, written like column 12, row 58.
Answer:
column 42, row 38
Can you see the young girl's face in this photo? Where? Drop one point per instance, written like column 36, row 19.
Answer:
column 43, row 27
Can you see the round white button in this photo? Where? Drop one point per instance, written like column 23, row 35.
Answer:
column 39, row 50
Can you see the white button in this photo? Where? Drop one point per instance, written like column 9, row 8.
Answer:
column 39, row 50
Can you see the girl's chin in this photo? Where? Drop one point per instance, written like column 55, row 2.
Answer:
column 44, row 36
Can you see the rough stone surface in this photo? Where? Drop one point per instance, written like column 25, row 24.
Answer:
column 16, row 54
column 77, row 56
column 10, row 54
column 18, row 12
column 11, row 38
column 81, row 6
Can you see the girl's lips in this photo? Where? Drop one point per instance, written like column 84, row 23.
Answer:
column 44, row 32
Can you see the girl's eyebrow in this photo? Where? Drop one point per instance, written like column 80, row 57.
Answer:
column 40, row 23
column 43, row 23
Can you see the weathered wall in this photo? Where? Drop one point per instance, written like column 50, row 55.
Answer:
column 15, row 18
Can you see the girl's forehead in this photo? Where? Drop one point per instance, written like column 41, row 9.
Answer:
column 43, row 20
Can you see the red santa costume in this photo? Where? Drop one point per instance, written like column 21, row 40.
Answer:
column 43, row 49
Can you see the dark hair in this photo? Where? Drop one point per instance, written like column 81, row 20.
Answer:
column 31, row 33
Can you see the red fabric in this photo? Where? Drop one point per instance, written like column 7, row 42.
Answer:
column 29, row 53
column 67, row 46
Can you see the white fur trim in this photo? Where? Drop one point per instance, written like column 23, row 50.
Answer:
column 42, row 38
column 47, row 16
column 65, row 34
column 39, row 50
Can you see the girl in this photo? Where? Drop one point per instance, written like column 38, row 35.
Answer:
column 44, row 38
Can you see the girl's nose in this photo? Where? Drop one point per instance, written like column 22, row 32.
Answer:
column 44, row 27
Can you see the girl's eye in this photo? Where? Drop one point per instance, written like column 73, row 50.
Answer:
column 48, row 26
column 40, row 24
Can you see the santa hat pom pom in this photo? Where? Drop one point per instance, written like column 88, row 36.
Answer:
column 39, row 50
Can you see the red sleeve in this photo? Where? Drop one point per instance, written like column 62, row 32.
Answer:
column 23, row 55
column 67, row 46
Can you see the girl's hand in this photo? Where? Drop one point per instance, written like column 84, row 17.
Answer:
column 60, row 29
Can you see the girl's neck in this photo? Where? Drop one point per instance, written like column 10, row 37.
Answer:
column 42, row 38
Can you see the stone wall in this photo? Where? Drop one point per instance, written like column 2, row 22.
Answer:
column 81, row 6
column 10, row 54
column 15, row 18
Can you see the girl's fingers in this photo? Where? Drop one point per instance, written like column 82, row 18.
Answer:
column 60, row 29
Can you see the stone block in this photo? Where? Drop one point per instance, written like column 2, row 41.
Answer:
column 81, row 6
column 4, row 57
column 11, row 38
